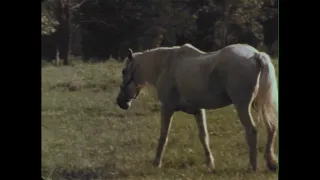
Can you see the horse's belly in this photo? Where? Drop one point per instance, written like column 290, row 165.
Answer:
column 214, row 102
column 200, row 88
column 206, row 100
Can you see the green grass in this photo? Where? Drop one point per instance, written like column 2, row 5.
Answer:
column 86, row 136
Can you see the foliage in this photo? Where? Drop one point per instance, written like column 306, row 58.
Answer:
column 48, row 25
column 48, row 20
column 107, row 28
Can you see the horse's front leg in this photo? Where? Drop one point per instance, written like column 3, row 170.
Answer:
column 201, row 119
column 166, row 118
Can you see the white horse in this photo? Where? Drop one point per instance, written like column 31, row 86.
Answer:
column 191, row 81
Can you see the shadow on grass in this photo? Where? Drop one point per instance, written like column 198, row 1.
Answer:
column 108, row 171
column 81, row 85
column 235, row 171
column 111, row 171
column 98, row 173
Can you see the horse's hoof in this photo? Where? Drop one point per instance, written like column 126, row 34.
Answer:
column 209, row 169
column 157, row 164
column 272, row 167
column 210, row 164
column 213, row 171
column 272, row 164
column 251, row 170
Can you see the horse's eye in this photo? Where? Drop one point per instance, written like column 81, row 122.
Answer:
column 124, row 71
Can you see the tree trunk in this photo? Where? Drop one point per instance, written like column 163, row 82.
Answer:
column 63, row 34
column 57, row 63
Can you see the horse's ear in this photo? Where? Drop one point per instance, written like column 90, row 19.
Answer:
column 130, row 54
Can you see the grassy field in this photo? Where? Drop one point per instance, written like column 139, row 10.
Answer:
column 86, row 136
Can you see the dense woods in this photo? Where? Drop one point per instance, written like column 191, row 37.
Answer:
column 99, row 29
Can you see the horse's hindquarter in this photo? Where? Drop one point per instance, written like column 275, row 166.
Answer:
column 238, row 70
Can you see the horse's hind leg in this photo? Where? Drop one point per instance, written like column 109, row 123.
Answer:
column 204, row 137
column 244, row 114
column 166, row 118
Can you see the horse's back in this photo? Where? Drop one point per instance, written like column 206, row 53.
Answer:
column 244, row 50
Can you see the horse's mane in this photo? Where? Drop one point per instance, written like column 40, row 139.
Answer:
column 189, row 46
column 161, row 48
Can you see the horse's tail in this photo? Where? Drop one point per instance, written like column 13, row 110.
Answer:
column 266, row 100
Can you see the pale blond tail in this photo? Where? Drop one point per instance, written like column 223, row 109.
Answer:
column 266, row 100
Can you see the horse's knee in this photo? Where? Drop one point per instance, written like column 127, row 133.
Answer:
column 251, row 134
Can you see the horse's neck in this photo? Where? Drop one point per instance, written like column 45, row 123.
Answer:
column 154, row 63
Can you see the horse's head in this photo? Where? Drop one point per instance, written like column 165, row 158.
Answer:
column 132, row 82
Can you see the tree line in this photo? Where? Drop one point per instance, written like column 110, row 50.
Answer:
column 98, row 29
